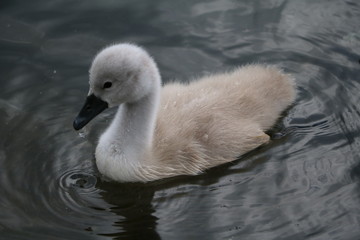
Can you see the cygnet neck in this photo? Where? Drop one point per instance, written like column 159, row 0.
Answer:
column 131, row 132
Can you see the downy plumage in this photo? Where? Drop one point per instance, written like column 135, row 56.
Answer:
column 178, row 129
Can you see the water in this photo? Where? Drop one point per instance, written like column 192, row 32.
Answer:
column 303, row 185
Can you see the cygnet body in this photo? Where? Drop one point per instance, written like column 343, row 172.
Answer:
column 178, row 129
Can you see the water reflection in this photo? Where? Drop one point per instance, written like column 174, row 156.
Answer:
column 132, row 204
column 303, row 185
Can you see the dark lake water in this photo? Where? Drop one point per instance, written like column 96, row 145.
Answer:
column 305, row 184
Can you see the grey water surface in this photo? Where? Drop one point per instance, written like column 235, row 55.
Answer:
column 305, row 184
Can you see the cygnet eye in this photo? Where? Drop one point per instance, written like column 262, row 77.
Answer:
column 107, row 85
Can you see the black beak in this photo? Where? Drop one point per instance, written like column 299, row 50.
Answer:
column 92, row 107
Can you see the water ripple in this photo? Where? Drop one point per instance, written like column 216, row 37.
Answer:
column 304, row 184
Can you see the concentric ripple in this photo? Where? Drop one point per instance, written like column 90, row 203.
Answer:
column 304, row 184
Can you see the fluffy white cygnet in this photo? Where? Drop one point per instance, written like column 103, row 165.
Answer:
column 178, row 129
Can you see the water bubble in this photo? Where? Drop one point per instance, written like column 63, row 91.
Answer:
column 78, row 179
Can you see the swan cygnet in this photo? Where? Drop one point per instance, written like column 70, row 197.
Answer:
column 178, row 129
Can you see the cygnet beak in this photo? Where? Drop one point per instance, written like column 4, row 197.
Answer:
column 92, row 107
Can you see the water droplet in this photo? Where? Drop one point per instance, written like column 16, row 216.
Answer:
column 206, row 137
column 83, row 133
column 166, row 106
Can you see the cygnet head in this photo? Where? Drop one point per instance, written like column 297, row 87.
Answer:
column 121, row 73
